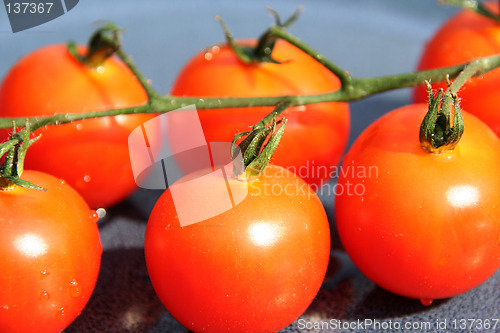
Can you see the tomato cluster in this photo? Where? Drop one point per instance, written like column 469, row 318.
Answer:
column 423, row 225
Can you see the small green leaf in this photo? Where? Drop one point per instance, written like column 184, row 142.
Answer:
column 21, row 153
column 15, row 152
column 24, row 183
column 7, row 167
column 240, row 51
column 260, row 162
column 234, row 147
column 6, row 146
column 253, row 147
column 72, row 49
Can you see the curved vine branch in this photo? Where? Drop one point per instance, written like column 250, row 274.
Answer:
column 353, row 89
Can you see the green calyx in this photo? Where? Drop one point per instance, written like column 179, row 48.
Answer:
column 262, row 52
column 443, row 124
column 258, row 146
column 14, row 151
column 102, row 44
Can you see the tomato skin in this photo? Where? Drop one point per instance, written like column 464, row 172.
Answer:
column 254, row 268
column 96, row 160
column 316, row 134
column 50, row 254
column 426, row 225
column 467, row 36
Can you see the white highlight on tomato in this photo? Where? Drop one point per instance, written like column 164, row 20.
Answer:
column 462, row 196
column 264, row 233
column 31, row 245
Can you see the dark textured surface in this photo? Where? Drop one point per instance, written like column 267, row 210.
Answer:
column 124, row 300
column 367, row 37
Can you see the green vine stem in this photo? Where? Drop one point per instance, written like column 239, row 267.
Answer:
column 352, row 89
column 474, row 5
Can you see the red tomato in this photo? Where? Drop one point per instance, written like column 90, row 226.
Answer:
column 316, row 135
column 91, row 155
column 465, row 37
column 253, row 268
column 50, row 255
column 421, row 225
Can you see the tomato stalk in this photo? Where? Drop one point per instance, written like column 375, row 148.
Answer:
column 443, row 125
column 258, row 145
column 264, row 49
column 265, row 45
column 474, row 5
column 344, row 76
column 14, row 151
column 102, row 45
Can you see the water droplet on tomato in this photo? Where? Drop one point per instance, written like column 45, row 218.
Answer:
column 60, row 313
column 74, row 288
column 44, row 273
column 215, row 49
column 426, row 301
column 101, row 212
column 93, row 215
column 86, row 178
column 100, row 69
column 44, row 296
column 79, row 127
column 208, row 56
